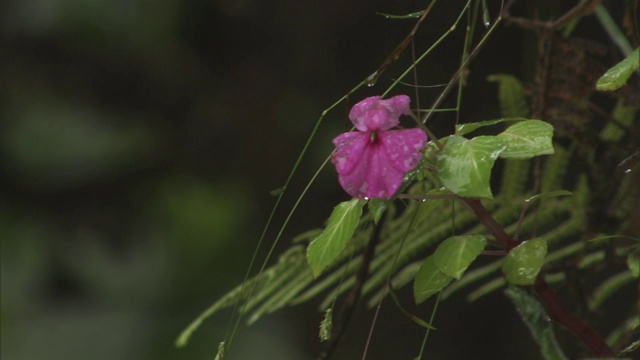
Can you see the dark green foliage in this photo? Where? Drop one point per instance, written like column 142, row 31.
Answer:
column 537, row 201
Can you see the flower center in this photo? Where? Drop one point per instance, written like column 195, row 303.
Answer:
column 374, row 137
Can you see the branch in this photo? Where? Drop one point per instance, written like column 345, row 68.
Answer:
column 558, row 312
column 505, row 241
column 549, row 298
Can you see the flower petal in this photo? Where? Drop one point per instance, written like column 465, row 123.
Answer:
column 397, row 105
column 372, row 163
column 388, row 176
column 373, row 114
column 350, row 147
column 402, row 147
column 372, row 177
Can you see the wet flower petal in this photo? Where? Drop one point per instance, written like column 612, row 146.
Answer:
column 372, row 177
column 402, row 147
column 350, row 147
column 372, row 162
column 373, row 114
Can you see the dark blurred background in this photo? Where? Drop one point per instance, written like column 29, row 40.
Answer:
column 139, row 141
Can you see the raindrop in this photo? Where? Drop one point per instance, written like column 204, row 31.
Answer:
column 485, row 14
column 371, row 80
column 630, row 162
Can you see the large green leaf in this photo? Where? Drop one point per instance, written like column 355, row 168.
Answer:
column 464, row 166
column 429, row 280
column 463, row 129
column 343, row 221
column 527, row 139
column 522, row 265
column 618, row 75
column 454, row 255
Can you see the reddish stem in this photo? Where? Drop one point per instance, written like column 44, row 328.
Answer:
column 490, row 223
column 549, row 298
column 558, row 312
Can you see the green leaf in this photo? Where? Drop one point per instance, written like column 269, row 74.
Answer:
column 522, row 265
column 624, row 117
column 633, row 261
column 618, row 75
column 220, row 353
column 377, row 207
column 535, row 317
column 632, row 347
column 463, row 129
column 527, row 139
column 277, row 192
column 429, row 280
column 326, row 325
column 454, row 255
column 409, row 315
column 464, row 166
column 343, row 221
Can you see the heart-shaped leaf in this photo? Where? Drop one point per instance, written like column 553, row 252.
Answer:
column 463, row 129
column 527, row 139
column 455, row 254
column 464, row 166
column 429, row 280
column 618, row 75
column 522, row 265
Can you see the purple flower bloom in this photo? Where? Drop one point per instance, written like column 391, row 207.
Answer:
column 371, row 162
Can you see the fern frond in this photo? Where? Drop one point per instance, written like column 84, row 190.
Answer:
column 510, row 95
column 609, row 287
column 515, row 176
column 555, row 169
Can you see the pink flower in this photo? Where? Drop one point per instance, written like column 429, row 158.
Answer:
column 371, row 162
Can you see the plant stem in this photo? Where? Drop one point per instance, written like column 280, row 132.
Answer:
column 549, row 298
column 559, row 313
column 490, row 223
